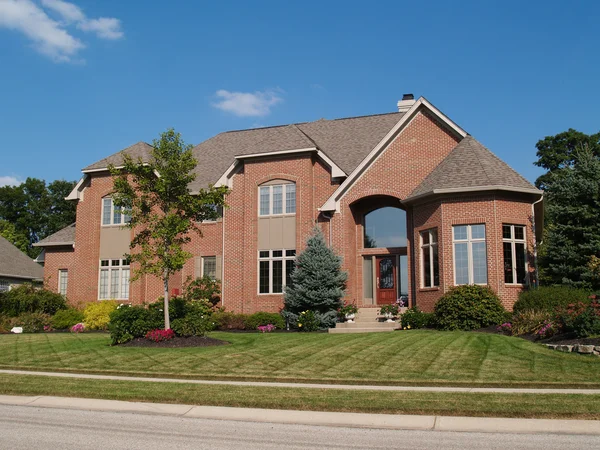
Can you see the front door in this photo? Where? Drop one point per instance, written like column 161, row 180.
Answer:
column 386, row 280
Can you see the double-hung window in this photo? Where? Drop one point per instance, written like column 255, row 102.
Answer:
column 209, row 267
column 470, row 255
column 515, row 260
column 114, row 279
column 277, row 199
column 63, row 281
column 430, row 269
column 112, row 215
column 275, row 269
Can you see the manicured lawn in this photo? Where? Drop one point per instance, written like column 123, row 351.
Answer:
column 405, row 357
column 434, row 403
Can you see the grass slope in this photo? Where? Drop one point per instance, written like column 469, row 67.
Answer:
column 407, row 357
column 431, row 403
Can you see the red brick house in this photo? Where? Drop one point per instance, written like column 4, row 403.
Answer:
column 410, row 201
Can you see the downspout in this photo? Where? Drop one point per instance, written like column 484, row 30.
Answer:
column 535, row 255
column 223, row 260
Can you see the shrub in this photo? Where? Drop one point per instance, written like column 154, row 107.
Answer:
column 267, row 328
column 129, row 322
column 413, row 318
column 505, row 328
column 529, row 322
column 253, row 321
column 28, row 299
column 32, row 322
column 197, row 321
column 549, row 298
column 308, row 321
column 66, row 318
column 177, row 307
column 96, row 316
column 226, row 320
column 204, row 288
column 160, row 335
column 469, row 307
column 4, row 324
column 78, row 328
column 581, row 318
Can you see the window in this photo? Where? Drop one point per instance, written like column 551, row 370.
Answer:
column 209, row 267
column 114, row 279
column 470, row 256
column 385, row 227
column 275, row 268
column 112, row 215
column 63, row 280
column 515, row 261
column 4, row 286
column 430, row 270
column 277, row 200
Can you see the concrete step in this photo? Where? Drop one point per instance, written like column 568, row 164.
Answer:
column 374, row 325
column 358, row 330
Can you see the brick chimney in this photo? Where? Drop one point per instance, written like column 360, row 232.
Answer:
column 406, row 103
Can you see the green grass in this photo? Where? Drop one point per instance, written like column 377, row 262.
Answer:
column 432, row 403
column 419, row 357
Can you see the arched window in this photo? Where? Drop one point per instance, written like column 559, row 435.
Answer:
column 385, row 227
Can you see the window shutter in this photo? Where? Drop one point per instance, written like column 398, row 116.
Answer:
column 219, row 264
column 198, row 267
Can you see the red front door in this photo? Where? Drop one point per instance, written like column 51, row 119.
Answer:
column 386, row 280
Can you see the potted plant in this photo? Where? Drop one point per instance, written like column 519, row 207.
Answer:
column 348, row 311
column 389, row 311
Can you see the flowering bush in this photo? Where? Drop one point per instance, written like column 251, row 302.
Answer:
column 96, row 315
column 581, row 318
column 267, row 328
column 78, row 328
column 308, row 321
column 392, row 309
column 505, row 328
column 347, row 308
column 160, row 335
column 547, row 330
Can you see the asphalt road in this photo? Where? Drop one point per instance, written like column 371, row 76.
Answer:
column 47, row 428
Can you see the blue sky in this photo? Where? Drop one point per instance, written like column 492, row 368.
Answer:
column 83, row 79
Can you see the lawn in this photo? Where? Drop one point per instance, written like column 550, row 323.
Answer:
column 571, row 406
column 406, row 357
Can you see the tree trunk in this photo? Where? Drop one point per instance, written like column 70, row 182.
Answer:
column 166, row 300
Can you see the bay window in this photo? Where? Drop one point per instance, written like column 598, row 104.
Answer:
column 430, row 269
column 515, row 259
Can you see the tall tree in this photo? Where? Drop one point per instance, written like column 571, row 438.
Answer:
column 573, row 233
column 9, row 232
column 559, row 152
column 163, row 211
column 37, row 210
column 318, row 282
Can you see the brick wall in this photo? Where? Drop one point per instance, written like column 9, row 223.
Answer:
column 55, row 259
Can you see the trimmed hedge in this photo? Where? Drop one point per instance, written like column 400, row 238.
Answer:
column 66, row 318
column 413, row 318
column 469, row 307
column 253, row 321
column 129, row 322
column 28, row 299
column 550, row 299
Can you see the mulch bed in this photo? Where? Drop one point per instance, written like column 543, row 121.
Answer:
column 176, row 342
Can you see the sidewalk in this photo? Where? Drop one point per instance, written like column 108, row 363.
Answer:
column 310, row 385
column 355, row 420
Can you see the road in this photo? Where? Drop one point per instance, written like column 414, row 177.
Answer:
column 23, row 427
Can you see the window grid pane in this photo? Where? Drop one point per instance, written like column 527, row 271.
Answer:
column 117, row 216
column 460, row 233
column 209, row 267
column 103, row 284
column 125, row 284
column 290, row 198
column 520, row 262
column 290, row 265
column 277, row 199
column 426, row 266
column 114, row 283
column 508, row 262
column 277, row 276
column 264, row 277
column 63, row 281
column 264, row 201
column 479, row 263
column 106, row 206
column 461, row 260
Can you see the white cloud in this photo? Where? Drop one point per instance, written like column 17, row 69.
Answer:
column 104, row 27
column 52, row 37
column 9, row 181
column 248, row 104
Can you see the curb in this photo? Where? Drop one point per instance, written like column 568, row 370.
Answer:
column 317, row 418
column 351, row 387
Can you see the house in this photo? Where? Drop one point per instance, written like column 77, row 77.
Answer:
column 16, row 267
column 412, row 203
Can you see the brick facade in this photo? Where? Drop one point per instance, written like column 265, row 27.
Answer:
column 399, row 169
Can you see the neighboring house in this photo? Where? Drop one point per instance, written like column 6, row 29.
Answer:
column 411, row 202
column 16, row 267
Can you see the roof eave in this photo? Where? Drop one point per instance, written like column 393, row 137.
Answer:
column 53, row 244
column 472, row 189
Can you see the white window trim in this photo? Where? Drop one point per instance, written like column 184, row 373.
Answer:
column 112, row 214
column 270, row 259
column 60, row 272
column 283, row 200
column 469, row 241
column 431, row 246
column 109, row 269
column 514, row 241
column 202, row 258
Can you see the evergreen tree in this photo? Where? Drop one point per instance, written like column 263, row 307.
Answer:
column 318, row 283
column 573, row 233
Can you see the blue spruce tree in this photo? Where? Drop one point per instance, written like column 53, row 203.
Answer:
column 318, row 283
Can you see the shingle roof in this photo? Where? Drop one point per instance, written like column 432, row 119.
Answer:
column 470, row 165
column 139, row 150
column 14, row 263
column 66, row 236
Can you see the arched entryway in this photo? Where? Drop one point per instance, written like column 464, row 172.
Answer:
column 382, row 250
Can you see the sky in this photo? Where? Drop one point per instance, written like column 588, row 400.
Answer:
column 83, row 79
